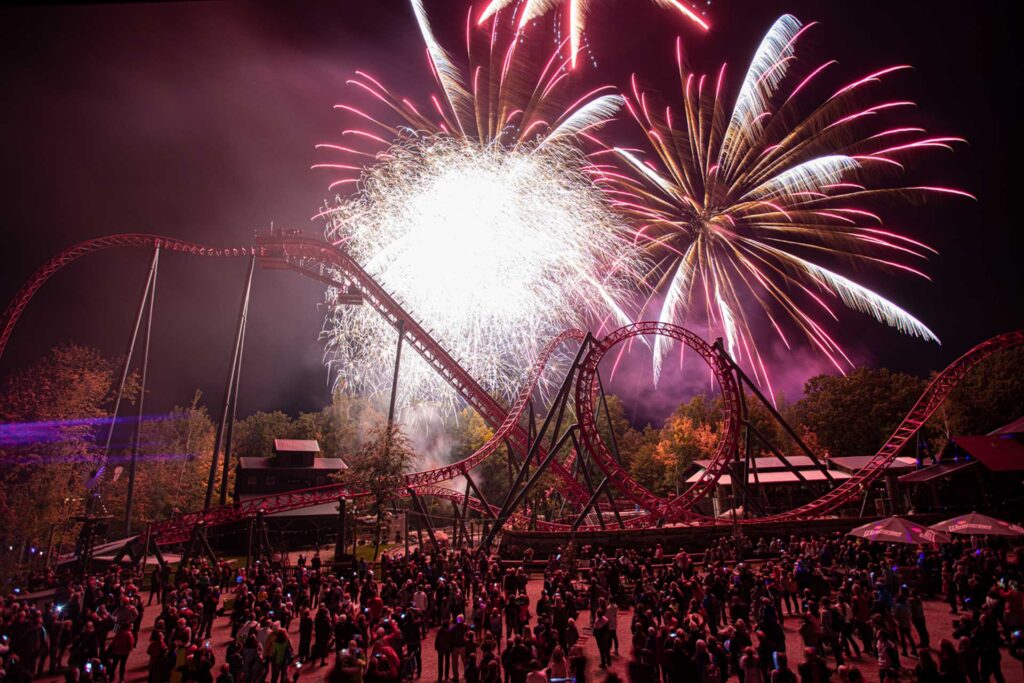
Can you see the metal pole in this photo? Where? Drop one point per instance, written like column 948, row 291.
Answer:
column 229, row 387
column 394, row 379
column 612, row 503
column 124, row 375
column 510, row 506
column 508, row 460
column 479, row 494
column 130, row 498
column 778, row 417
column 418, row 502
column 49, row 546
column 536, row 437
column 339, row 545
column 145, row 547
column 465, row 513
column 237, row 370
column 591, row 503
column 608, row 418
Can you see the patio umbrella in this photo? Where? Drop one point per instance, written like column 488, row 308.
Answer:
column 974, row 524
column 899, row 530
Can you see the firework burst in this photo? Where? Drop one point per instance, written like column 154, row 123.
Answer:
column 746, row 211
column 480, row 216
column 578, row 10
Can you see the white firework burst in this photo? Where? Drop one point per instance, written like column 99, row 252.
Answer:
column 494, row 250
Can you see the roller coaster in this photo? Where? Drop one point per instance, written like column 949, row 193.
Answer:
column 553, row 447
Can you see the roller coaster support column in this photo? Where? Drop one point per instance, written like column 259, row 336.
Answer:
column 233, row 410
column 422, row 509
column 517, row 498
column 594, row 492
column 341, row 543
column 197, row 542
column 464, row 515
column 394, row 379
column 130, row 497
column 581, row 463
column 592, row 503
column 97, row 477
column 608, row 417
column 229, row 389
column 745, row 381
column 514, row 497
column 479, row 494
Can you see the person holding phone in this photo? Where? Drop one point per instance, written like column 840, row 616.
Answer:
column 782, row 673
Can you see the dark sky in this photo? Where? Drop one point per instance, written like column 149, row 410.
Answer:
column 198, row 120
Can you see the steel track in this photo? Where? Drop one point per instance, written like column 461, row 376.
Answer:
column 325, row 262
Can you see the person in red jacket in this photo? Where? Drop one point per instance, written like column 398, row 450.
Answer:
column 120, row 647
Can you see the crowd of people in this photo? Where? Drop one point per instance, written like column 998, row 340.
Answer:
column 852, row 607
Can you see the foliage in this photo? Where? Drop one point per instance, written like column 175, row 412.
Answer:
column 379, row 467
column 853, row 415
column 338, row 428
column 53, row 441
column 173, row 467
column 989, row 397
column 51, row 438
column 470, row 434
column 638, row 449
column 684, row 441
column 254, row 436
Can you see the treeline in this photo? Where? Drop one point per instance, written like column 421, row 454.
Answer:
column 838, row 416
column 52, row 433
column 54, row 422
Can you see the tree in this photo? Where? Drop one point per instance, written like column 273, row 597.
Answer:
column 619, row 424
column 682, row 443
column 254, row 436
column 54, row 428
column 339, row 427
column 469, row 435
column 990, row 396
column 639, row 449
column 379, row 468
column 855, row 414
column 181, row 448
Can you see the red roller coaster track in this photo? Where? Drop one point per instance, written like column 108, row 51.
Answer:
column 587, row 393
column 314, row 258
column 309, row 257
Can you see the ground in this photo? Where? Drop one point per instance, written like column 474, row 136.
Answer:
column 937, row 613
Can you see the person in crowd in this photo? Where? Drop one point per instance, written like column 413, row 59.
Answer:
column 712, row 619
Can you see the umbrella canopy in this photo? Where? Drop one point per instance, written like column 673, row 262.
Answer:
column 974, row 524
column 899, row 530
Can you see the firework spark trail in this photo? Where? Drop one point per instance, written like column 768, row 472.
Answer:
column 577, row 14
column 745, row 207
column 480, row 216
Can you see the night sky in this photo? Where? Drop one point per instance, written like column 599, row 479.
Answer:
column 198, row 120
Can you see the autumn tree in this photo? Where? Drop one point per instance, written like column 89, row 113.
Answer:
column 174, row 463
column 379, row 468
column 683, row 441
column 339, row 428
column 639, row 456
column 469, row 434
column 53, row 424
